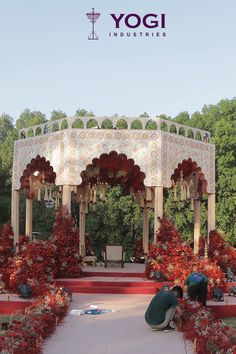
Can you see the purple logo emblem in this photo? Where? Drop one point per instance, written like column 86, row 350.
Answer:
column 93, row 17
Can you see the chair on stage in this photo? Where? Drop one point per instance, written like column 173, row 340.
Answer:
column 114, row 254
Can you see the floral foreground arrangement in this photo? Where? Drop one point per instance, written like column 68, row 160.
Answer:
column 39, row 262
column 37, row 322
column 175, row 258
column 208, row 334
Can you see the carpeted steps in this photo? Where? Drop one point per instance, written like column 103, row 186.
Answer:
column 114, row 274
column 109, row 287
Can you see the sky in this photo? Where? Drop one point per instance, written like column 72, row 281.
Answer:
column 48, row 63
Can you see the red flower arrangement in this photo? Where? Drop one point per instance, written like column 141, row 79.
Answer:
column 208, row 334
column 6, row 244
column 219, row 251
column 175, row 258
column 33, row 264
column 66, row 238
column 36, row 323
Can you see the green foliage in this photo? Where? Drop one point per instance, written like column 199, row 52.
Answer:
column 41, row 213
column 107, row 124
column 5, row 208
column 144, row 115
column 64, row 124
column 6, row 160
column 151, row 125
column 28, row 119
column 121, row 124
column 136, row 124
column 55, row 115
column 6, row 124
column 92, row 123
column 181, row 216
column 78, row 124
column 220, row 120
column 116, row 221
column 83, row 113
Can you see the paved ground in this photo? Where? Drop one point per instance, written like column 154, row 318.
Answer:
column 120, row 332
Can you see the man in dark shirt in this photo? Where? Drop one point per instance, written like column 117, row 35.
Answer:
column 162, row 308
column 196, row 286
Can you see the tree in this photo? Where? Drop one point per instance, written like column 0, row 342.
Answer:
column 118, row 220
column 28, row 119
column 144, row 115
column 55, row 115
column 81, row 112
column 6, row 123
column 220, row 120
column 183, row 118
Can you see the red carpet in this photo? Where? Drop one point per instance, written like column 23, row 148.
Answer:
column 222, row 311
column 113, row 274
column 8, row 307
column 109, row 287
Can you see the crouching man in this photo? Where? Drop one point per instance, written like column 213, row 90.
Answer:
column 162, row 309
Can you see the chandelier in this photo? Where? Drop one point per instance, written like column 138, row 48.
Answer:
column 185, row 190
column 45, row 192
column 86, row 195
column 145, row 199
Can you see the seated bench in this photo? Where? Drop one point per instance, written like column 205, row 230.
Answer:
column 90, row 260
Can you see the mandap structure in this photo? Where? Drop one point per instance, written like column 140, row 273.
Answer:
column 60, row 160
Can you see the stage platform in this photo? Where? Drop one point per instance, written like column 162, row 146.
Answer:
column 129, row 280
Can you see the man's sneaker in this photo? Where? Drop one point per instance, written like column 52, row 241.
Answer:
column 168, row 329
column 172, row 324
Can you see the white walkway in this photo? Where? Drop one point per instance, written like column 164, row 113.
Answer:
column 120, row 332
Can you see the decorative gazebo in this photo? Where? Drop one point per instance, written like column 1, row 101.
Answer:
column 83, row 161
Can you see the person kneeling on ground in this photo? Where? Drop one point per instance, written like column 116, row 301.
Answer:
column 162, row 308
column 196, row 286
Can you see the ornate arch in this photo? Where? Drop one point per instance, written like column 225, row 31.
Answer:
column 114, row 169
column 191, row 169
column 37, row 170
column 176, row 149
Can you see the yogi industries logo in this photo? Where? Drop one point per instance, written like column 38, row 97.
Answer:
column 131, row 25
column 93, row 17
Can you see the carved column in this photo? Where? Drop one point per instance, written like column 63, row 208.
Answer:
column 66, row 196
column 82, row 223
column 15, row 219
column 158, row 209
column 197, row 224
column 29, row 218
column 211, row 217
column 145, row 229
